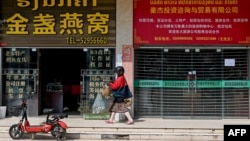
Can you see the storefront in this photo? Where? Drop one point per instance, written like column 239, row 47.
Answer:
column 192, row 83
column 48, row 46
column 191, row 59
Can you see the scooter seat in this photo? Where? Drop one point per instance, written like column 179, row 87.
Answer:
column 58, row 116
column 48, row 110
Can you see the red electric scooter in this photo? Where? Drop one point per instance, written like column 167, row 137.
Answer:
column 54, row 124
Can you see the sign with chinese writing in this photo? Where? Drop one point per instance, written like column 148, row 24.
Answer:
column 57, row 23
column 185, row 84
column 20, row 82
column 127, row 63
column 95, row 84
column 20, row 73
column 19, row 58
column 96, row 105
column 192, row 22
column 100, row 58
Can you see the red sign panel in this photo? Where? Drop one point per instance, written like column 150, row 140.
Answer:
column 127, row 63
column 192, row 22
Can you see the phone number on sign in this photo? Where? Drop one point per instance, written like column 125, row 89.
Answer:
column 87, row 40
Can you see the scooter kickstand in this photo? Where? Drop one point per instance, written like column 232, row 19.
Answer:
column 33, row 136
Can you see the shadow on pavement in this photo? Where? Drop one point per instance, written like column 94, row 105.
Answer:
column 69, row 136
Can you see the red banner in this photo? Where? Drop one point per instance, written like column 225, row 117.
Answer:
column 127, row 63
column 191, row 22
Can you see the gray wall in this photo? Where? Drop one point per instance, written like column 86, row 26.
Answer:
column 124, row 28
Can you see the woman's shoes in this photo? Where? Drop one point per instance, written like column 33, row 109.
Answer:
column 130, row 122
column 109, row 121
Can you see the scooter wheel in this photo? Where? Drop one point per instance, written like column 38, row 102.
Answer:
column 58, row 132
column 15, row 131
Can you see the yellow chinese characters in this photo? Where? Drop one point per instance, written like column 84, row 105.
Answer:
column 98, row 22
column 70, row 23
column 194, row 7
column 44, row 24
column 17, row 24
column 194, row 10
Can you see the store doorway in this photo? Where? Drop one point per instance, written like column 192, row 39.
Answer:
column 63, row 68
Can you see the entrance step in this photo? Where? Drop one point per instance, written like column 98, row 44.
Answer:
column 149, row 134
column 109, row 133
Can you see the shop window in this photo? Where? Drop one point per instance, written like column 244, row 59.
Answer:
column 99, row 71
column 20, row 74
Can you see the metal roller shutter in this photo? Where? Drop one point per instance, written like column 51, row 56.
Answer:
column 191, row 83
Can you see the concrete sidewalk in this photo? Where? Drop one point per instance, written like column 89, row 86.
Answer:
column 143, row 128
column 75, row 121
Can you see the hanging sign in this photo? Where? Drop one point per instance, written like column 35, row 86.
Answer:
column 59, row 23
column 191, row 22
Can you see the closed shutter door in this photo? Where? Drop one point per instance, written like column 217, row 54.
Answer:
column 191, row 83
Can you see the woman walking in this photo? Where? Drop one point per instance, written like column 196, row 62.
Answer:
column 119, row 105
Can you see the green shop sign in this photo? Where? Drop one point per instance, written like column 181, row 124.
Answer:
column 188, row 84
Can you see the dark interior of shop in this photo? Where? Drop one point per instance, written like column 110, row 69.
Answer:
column 61, row 67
